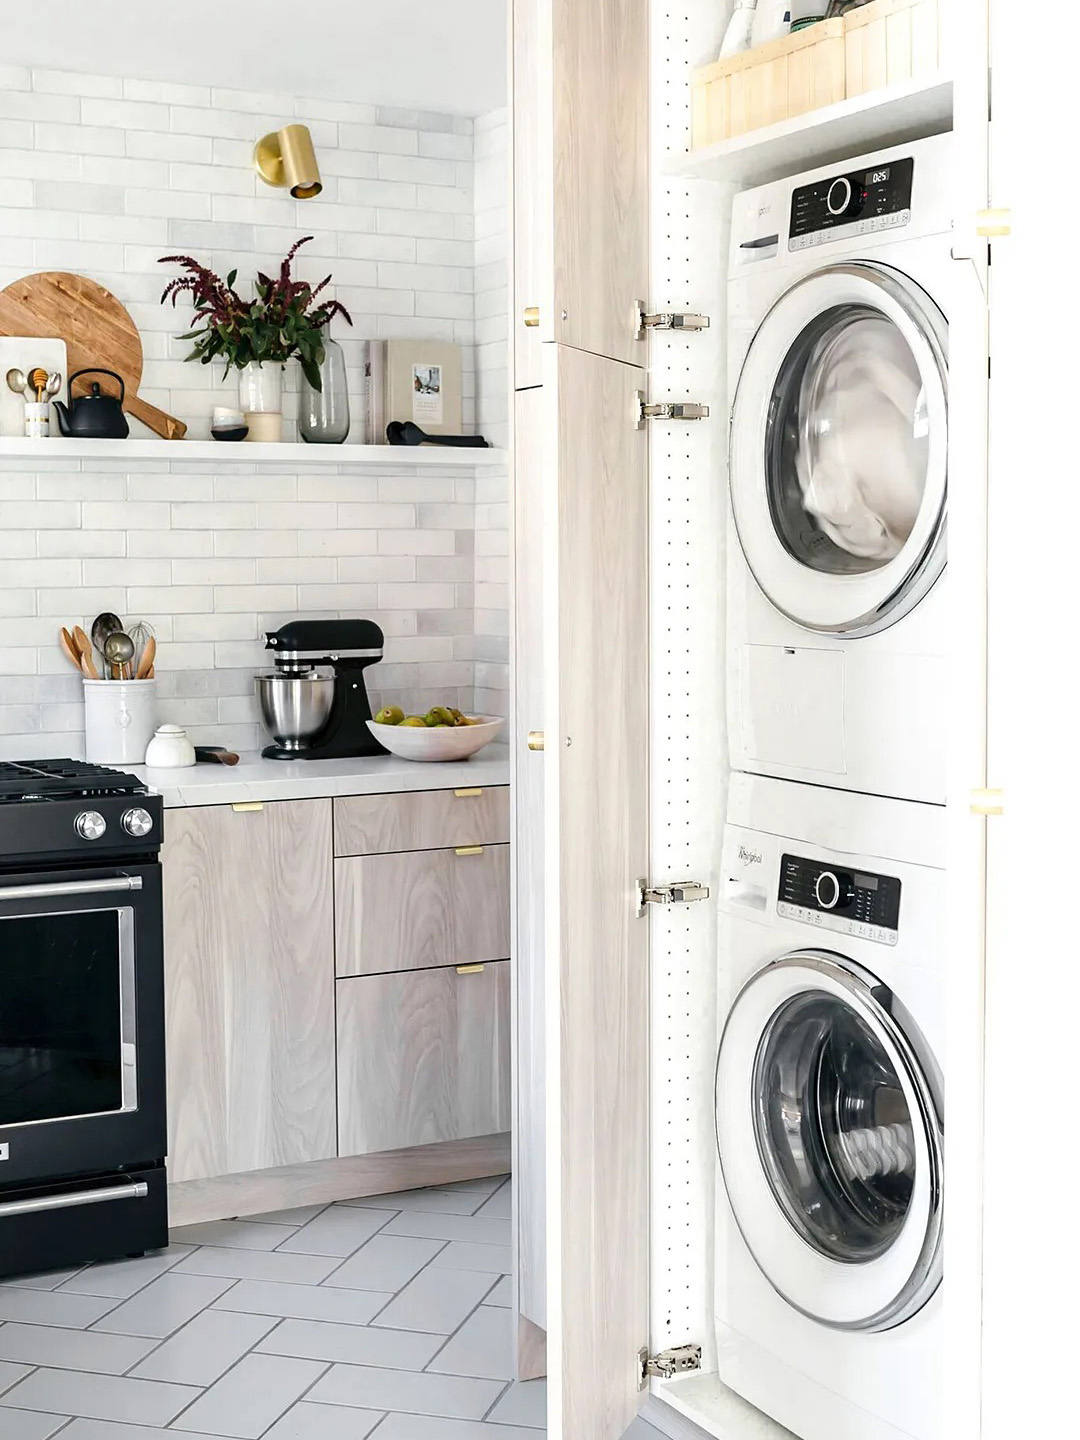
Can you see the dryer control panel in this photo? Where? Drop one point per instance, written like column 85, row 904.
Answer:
column 849, row 902
column 852, row 202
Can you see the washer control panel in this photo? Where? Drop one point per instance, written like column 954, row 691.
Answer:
column 853, row 202
column 849, row 902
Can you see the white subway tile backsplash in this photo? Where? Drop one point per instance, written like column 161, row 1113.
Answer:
column 105, row 176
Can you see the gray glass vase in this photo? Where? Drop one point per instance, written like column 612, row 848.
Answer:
column 324, row 414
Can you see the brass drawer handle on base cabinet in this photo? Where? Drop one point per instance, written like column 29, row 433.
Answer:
column 535, row 740
column 469, row 850
column 468, row 969
column 532, row 316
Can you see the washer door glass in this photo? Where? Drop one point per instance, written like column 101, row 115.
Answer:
column 833, row 1128
column 830, row 1138
column 839, row 441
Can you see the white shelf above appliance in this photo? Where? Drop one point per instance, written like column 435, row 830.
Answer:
column 372, row 458
column 867, row 122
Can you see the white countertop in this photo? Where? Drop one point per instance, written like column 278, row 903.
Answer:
column 258, row 779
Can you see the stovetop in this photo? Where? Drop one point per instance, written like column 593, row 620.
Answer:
column 44, row 780
column 67, row 810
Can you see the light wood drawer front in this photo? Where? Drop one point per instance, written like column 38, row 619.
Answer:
column 422, row 909
column 422, row 1058
column 424, row 820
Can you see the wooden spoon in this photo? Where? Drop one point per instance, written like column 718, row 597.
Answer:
column 146, row 660
column 86, row 651
column 70, row 649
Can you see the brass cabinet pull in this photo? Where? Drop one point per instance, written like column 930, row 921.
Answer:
column 469, row 850
column 532, row 316
column 467, row 794
column 469, row 969
column 245, row 807
column 535, row 740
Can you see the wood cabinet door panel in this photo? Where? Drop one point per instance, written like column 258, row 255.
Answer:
column 421, row 820
column 596, row 536
column 423, row 1057
column 249, row 979
column 422, row 909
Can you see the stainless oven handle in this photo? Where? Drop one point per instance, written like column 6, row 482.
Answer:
column 137, row 1190
column 71, row 887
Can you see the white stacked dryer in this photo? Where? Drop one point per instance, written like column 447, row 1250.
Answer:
column 837, row 311
column 829, row 1111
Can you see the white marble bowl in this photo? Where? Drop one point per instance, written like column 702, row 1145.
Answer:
column 457, row 742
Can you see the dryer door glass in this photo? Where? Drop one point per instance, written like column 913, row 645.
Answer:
column 839, row 448
column 833, row 1128
column 847, row 444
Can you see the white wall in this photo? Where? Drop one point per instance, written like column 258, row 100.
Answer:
column 103, row 176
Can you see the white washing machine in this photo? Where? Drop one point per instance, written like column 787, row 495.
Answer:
column 838, row 340
column 829, row 1110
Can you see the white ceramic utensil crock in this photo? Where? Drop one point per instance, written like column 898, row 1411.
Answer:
column 120, row 718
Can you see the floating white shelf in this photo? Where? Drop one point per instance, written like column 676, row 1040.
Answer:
column 868, row 122
column 211, row 452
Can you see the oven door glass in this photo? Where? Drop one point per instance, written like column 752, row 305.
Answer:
column 67, row 1041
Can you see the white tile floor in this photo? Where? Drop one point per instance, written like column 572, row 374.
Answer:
column 385, row 1318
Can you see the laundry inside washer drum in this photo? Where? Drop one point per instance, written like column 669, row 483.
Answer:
column 833, row 1129
column 847, row 443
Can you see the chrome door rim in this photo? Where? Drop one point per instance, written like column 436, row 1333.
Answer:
column 896, row 1285
column 853, row 605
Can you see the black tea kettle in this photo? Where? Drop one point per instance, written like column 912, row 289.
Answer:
column 95, row 416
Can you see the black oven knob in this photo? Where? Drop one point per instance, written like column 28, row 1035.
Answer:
column 138, row 822
column 90, row 825
column 843, row 198
column 832, row 891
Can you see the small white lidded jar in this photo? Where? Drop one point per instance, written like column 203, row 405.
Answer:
column 170, row 749
column 120, row 719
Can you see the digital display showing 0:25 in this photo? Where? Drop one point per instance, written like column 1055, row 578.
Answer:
column 877, row 177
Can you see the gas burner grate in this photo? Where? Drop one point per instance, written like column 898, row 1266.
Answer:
column 58, row 779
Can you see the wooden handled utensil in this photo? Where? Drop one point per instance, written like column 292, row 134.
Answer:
column 96, row 328
column 86, row 653
column 146, row 660
column 70, row 649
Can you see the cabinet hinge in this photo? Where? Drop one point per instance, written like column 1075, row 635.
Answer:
column 678, row 892
column 668, row 410
column 668, row 320
column 668, row 1363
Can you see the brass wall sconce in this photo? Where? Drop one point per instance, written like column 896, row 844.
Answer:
column 287, row 157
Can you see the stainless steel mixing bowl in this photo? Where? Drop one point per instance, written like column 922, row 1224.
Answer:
column 294, row 708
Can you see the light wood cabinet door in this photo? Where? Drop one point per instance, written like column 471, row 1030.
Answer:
column 423, row 1057
column 596, row 539
column 527, row 857
column 581, row 177
column 249, row 987
column 422, row 820
column 422, row 909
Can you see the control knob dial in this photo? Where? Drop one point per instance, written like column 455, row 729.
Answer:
column 137, row 822
column 843, row 198
column 832, row 891
column 90, row 825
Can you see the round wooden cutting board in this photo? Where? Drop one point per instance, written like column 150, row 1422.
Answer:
column 96, row 328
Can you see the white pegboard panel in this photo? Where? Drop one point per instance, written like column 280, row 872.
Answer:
column 690, row 222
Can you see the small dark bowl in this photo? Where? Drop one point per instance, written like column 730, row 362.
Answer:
column 235, row 432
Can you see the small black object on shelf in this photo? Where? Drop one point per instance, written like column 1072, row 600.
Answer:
column 233, row 432
column 404, row 432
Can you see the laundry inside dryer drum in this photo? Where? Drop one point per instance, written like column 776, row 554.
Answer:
column 847, row 443
column 833, row 1129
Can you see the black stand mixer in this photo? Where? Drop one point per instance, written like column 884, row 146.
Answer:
column 315, row 716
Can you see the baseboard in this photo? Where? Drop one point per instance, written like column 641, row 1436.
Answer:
column 348, row 1178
